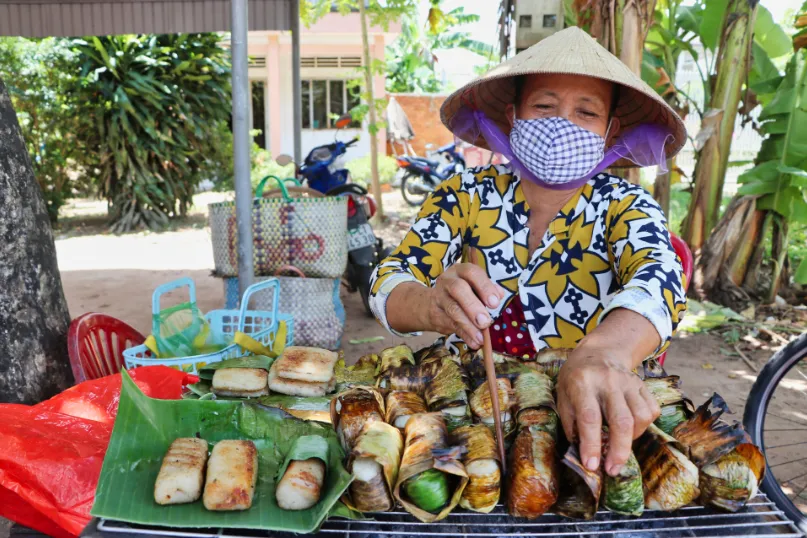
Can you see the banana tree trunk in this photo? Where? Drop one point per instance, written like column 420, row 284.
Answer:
column 661, row 188
column 718, row 123
column 621, row 26
column 368, row 82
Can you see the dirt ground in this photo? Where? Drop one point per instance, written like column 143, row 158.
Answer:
column 117, row 274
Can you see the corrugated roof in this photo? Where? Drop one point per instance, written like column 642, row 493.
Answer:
column 43, row 18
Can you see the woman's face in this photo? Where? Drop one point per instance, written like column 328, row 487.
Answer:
column 585, row 101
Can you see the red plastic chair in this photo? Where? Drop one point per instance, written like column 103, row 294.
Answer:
column 687, row 262
column 95, row 344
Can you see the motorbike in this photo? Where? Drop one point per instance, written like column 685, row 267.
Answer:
column 421, row 175
column 323, row 170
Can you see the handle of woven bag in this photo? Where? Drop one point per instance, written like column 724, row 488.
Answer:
column 281, row 184
column 165, row 288
column 291, row 269
column 270, row 283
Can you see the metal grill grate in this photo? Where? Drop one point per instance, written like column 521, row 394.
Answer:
column 759, row 518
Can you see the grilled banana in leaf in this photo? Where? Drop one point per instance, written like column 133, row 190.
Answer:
column 506, row 367
column 351, row 409
column 546, row 419
column 705, row 436
column 431, row 479
column 361, row 373
column 669, row 479
column 731, row 481
column 374, row 462
column 580, row 488
column 532, row 474
column 401, row 405
column 623, row 493
column 448, row 393
column 534, row 390
column 481, row 460
column 482, row 406
column 666, row 390
column 393, row 357
column 671, row 416
column 550, row 361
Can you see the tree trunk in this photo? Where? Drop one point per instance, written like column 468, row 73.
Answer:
column 778, row 255
column 621, row 27
column 661, row 188
column 718, row 123
column 373, row 126
column 33, row 311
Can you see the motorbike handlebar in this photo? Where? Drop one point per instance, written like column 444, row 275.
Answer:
column 348, row 144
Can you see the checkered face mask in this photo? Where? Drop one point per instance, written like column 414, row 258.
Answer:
column 556, row 150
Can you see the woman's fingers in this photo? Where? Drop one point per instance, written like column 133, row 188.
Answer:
column 643, row 413
column 459, row 321
column 461, row 291
column 620, row 431
column 482, row 285
column 588, row 422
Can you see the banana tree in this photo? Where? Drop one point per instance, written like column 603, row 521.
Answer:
column 772, row 198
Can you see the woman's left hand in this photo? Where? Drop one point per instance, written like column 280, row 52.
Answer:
column 596, row 386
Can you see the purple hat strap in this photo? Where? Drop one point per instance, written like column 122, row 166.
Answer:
column 643, row 145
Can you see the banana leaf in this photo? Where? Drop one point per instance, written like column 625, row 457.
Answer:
column 392, row 357
column 730, row 482
column 481, row 460
column 352, row 409
column 534, row 390
column 533, row 474
column 506, row 368
column 669, row 479
column 671, row 416
column 361, row 373
column 306, row 408
column 623, row 493
column 144, row 428
column 305, row 447
column 251, row 361
column 550, row 360
column 580, row 488
column 382, row 444
column 705, row 436
column 666, row 390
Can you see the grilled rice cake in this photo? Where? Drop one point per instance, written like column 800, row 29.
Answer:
column 243, row 382
column 232, row 472
column 294, row 387
column 182, row 472
column 310, row 364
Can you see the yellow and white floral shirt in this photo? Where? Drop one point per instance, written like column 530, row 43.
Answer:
column 607, row 248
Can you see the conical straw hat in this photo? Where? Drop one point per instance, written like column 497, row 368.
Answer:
column 573, row 52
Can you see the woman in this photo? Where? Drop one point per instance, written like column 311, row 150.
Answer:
column 570, row 257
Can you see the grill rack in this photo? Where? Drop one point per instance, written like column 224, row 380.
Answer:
column 759, row 518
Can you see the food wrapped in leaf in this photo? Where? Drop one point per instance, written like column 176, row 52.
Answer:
column 731, row 481
column 543, row 417
column 448, row 393
column 550, row 360
column 302, row 475
column 393, row 357
column 580, row 488
column 532, row 474
column 672, row 415
column 409, row 377
column 705, row 436
column 506, row 367
column 313, row 408
column 431, row 479
column 669, row 479
column 436, row 351
column 623, row 493
column 482, row 406
column 361, row 373
column 675, row 407
column 534, row 390
column 374, row 462
column 401, row 405
column 481, row 460
column 350, row 410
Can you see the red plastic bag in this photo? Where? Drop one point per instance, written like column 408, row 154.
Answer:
column 51, row 453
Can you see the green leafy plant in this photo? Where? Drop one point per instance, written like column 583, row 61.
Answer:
column 151, row 109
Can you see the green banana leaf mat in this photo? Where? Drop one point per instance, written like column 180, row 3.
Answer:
column 144, row 429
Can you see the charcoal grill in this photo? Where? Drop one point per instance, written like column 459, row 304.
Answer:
column 759, row 518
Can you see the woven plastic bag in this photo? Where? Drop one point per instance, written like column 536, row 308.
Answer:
column 51, row 453
column 290, row 226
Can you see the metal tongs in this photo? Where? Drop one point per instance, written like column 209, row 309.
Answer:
column 493, row 387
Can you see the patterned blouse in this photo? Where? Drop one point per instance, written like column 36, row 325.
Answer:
column 607, row 248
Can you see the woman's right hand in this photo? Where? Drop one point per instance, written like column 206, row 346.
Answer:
column 454, row 304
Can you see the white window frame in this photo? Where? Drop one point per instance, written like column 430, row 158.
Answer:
column 328, row 111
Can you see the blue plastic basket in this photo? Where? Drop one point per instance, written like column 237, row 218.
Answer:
column 259, row 324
